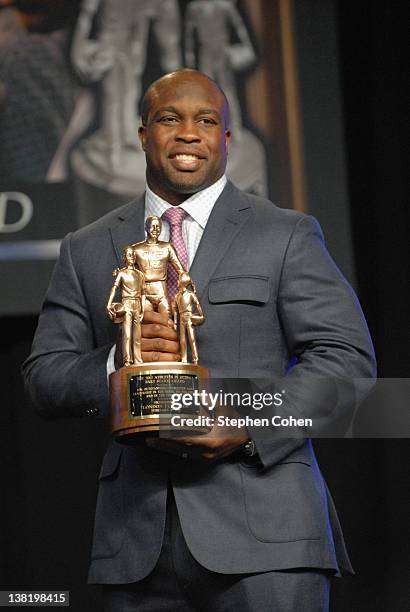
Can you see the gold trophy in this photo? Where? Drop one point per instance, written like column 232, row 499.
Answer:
column 141, row 393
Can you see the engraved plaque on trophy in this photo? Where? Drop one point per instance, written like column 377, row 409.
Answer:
column 142, row 392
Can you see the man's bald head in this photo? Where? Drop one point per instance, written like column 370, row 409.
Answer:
column 174, row 79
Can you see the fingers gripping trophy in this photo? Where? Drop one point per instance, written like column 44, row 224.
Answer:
column 141, row 393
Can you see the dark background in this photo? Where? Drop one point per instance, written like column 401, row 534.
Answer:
column 50, row 468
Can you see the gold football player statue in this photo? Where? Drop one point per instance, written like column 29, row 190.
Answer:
column 152, row 257
column 187, row 306
column 130, row 310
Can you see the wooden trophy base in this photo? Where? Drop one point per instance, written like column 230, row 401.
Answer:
column 142, row 399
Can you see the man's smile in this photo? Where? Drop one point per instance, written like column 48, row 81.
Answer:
column 186, row 161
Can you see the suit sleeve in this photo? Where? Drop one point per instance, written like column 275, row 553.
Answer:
column 327, row 335
column 65, row 374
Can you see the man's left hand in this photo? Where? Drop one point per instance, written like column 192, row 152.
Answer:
column 220, row 442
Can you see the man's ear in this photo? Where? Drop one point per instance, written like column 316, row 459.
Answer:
column 142, row 133
column 227, row 137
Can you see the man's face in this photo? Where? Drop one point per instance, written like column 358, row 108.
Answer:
column 185, row 137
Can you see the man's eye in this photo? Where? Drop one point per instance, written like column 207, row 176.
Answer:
column 207, row 121
column 168, row 119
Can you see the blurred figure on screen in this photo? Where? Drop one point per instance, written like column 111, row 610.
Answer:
column 36, row 92
column 117, row 58
column 218, row 57
column 218, row 43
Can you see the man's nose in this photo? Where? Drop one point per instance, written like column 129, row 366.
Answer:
column 188, row 132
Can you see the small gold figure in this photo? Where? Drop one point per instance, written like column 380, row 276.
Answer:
column 130, row 310
column 152, row 257
column 185, row 305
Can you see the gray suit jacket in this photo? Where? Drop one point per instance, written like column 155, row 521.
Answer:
column 270, row 292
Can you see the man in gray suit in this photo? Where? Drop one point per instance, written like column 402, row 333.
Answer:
column 224, row 521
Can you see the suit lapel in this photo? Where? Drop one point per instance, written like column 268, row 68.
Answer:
column 128, row 226
column 230, row 212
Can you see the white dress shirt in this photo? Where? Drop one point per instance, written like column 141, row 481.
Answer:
column 199, row 207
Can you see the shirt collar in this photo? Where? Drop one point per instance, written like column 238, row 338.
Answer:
column 199, row 206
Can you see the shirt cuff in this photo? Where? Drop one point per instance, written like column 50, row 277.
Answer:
column 110, row 362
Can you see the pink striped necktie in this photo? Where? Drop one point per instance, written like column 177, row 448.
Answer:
column 175, row 217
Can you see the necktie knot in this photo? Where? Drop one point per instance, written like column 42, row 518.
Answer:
column 175, row 216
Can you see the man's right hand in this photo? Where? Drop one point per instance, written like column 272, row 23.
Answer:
column 159, row 340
